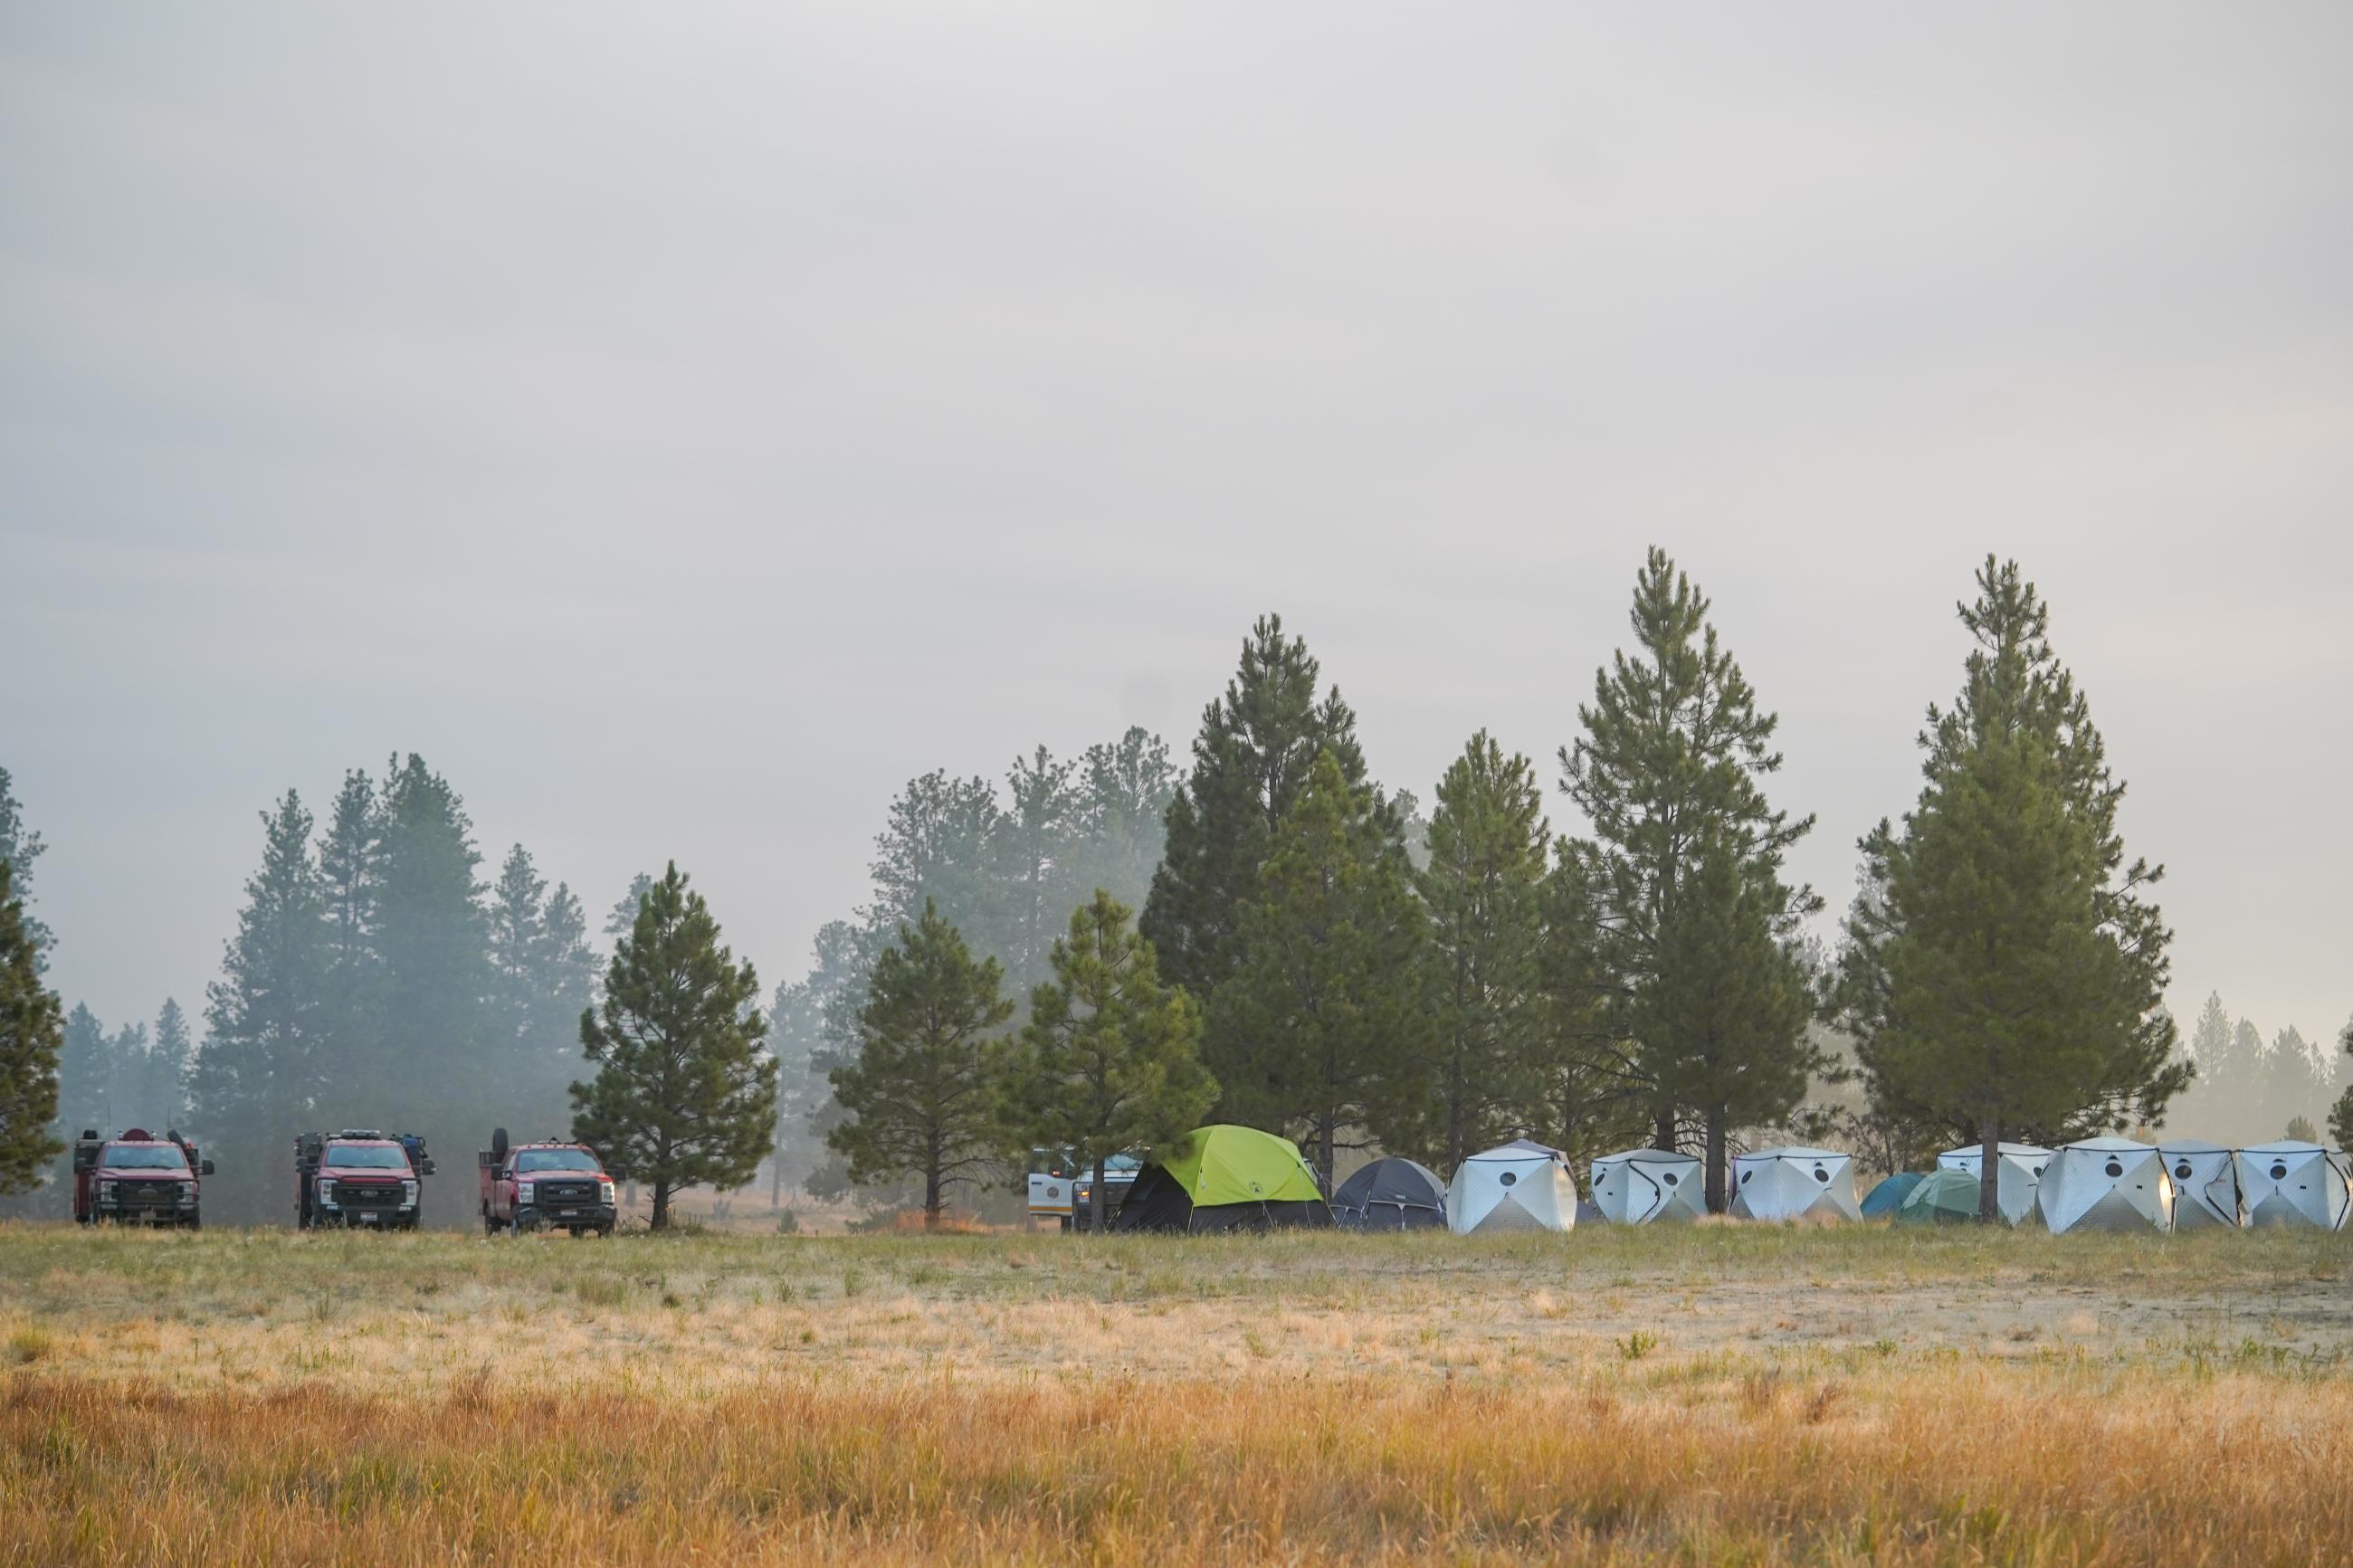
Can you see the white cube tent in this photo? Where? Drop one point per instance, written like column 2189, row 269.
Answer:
column 1794, row 1183
column 1642, row 1186
column 2018, row 1174
column 2205, row 1183
column 2294, row 1184
column 2105, row 1184
column 1523, row 1185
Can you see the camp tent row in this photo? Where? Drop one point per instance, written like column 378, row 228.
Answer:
column 2116, row 1183
column 1238, row 1178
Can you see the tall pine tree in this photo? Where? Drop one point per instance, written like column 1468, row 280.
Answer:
column 1323, row 1031
column 168, row 1063
column 19, row 847
column 921, row 1097
column 683, row 1096
column 259, row 1079
column 1108, row 1062
column 31, row 1035
column 1250, row 762
column 1731, row 990
column 1673, row 757
column 2007, row 974
column 1483, row 887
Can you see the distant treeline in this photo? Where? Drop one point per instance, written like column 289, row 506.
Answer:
column 1307, row 951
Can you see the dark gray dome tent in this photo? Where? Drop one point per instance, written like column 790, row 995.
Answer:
column 1394, row 1194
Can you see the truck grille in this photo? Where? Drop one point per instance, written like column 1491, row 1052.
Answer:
column 372, row 1196
column 564, row 1194
column 148, row 1193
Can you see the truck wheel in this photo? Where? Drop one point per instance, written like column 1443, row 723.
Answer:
column 604, row 1233
column 196, row 1222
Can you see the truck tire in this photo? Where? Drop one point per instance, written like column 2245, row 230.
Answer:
column 196, row 1222
column 499, row 1143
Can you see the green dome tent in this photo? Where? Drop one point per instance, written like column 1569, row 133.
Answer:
column 1943, row 1197
column 1225, row 1178
column 1889, row 1195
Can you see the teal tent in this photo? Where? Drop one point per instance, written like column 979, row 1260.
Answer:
column 1889, row 1195
column 1943, row 1197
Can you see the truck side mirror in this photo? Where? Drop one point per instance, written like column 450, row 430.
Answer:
column 425, row 1166
column 205, row 1168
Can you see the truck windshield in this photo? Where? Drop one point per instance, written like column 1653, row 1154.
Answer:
column 556, row 1159
column 351, row 1156
column 146, row 1157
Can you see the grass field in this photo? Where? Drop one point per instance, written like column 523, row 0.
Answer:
column 1708, row 1395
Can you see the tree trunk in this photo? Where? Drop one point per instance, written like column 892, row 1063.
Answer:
column 1989, row 1171
column 662, row 1206
column 1324, row 1154
column 1717, row 1198
column 1664, row 1130
column 932, row 1199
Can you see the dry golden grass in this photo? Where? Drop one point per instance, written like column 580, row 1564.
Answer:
column 1709, row 1395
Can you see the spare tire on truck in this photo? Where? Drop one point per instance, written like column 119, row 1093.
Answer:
column 499, row 1141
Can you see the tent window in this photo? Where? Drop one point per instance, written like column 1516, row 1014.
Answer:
column 2114, row 1169
column 2279, row 1171
column 1820, row 1174
column 1671, row 1178
column 2182, row 1169
column 1508, row 1177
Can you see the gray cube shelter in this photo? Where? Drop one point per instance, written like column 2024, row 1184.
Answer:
column 1641, row 1186
column 2105, row 1184
column 2294, row 1184
column 2205, row 1184
column 1794, row 1183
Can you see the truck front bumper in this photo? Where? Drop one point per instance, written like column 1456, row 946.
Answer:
column 567, row 1217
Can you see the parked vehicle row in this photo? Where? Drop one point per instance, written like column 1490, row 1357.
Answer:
column 358, row 1178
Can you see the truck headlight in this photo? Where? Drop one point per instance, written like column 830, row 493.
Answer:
column 105, row 1190
column 326, row 1195
column 523, row 1194
column 408, row 1194
column 187, row 1193
column 604, row 1191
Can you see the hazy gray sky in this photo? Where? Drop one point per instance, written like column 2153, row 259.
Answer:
column 682, row 426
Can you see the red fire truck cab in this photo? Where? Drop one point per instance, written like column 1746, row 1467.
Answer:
column 137, row 1179
column 550, row 1186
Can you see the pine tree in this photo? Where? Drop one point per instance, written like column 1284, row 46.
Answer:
column 2340, row 1117
column 683, row 1095
column 32, row 1036
column 1736, row 997
column 423, row 1061
column 1325, row 1029
column 1034, row 842
column 2008, row 973
column 816, row 1032
column 1674, row 751
column 168, row 1063
column 127, row 1079
column 1582, row 1090
column 85, row 1074
column 623, row 918
column 19, row 847
column 2297, row 1082
column 922, row 1097
column 351, row 872
column 1108, row 1062
column 1483, row 885
column 1251, row 760
column 939, row 847
column 258, row 1080
column 1124, row 789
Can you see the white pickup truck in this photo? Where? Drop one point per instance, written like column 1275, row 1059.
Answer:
column 1060, row 1190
